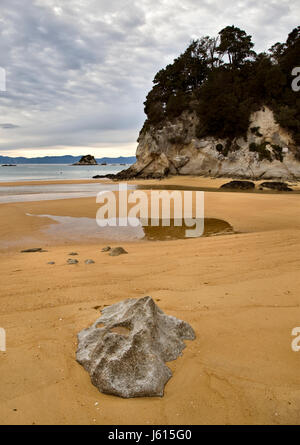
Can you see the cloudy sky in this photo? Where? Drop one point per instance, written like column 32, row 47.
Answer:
column 78, row 71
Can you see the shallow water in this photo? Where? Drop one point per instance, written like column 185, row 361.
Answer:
column 45, row 172
column 212, row 226
column 68, row 228
column 29, row 193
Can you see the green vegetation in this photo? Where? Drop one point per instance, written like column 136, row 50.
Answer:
column 277, row 150
column 223, row 80
column 266, row 153
column 262, row 150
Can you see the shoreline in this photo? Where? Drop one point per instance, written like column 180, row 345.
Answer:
column 191, row 182
column 232, row 207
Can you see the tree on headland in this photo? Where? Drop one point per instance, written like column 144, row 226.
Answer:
column 223, row 80
column 236, row 44
column 174, row 85
column 287, row 105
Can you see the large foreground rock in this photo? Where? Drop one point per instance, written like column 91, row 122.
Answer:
column 125, row 350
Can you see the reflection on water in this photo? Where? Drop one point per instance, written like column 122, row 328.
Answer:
column 212, row 227
column 82, row 229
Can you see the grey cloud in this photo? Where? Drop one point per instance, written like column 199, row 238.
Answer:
column 78, row 72
column 8, row 126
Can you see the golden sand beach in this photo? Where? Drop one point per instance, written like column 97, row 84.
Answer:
column 240, row 293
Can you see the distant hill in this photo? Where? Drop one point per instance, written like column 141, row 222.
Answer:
column 64, row 160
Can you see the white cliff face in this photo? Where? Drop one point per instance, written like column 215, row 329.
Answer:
column 264, row 119
column 268, row 151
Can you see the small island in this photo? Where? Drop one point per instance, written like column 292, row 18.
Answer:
column 86, row 160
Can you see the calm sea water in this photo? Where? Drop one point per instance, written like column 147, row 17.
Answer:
column 55, row 171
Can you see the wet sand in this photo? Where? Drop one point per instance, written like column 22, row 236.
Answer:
column 200, row 182
column 240, row 293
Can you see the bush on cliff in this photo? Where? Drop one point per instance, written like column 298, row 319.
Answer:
column 223, row 80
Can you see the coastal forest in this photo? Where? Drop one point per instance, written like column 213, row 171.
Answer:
column 223, row 80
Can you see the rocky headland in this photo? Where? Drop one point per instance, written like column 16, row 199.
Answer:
column 86, row 160
column 267, row 151
column 223, row 111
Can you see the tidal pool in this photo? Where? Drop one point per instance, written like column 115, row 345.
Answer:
column 82, row 229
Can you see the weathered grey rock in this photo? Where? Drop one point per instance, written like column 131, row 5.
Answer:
column 106, row 249
column 116, row 251
column 238, row 185
column 180, row 161
column 71, row 261
column 89, row 262
column 125, row 350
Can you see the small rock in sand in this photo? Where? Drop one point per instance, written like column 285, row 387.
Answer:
column 116, row 251
column 279, row 186
column 51, row 262
column 70, row 261
column 89, row 262
column 238, row 185
column 106, row 249
column 73, row 253
column 34, row 249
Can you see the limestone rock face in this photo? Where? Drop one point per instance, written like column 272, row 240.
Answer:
column 87, row 160
column 266, row 152
column 125, row 350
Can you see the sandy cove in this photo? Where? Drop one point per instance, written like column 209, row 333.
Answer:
column 239, row 292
